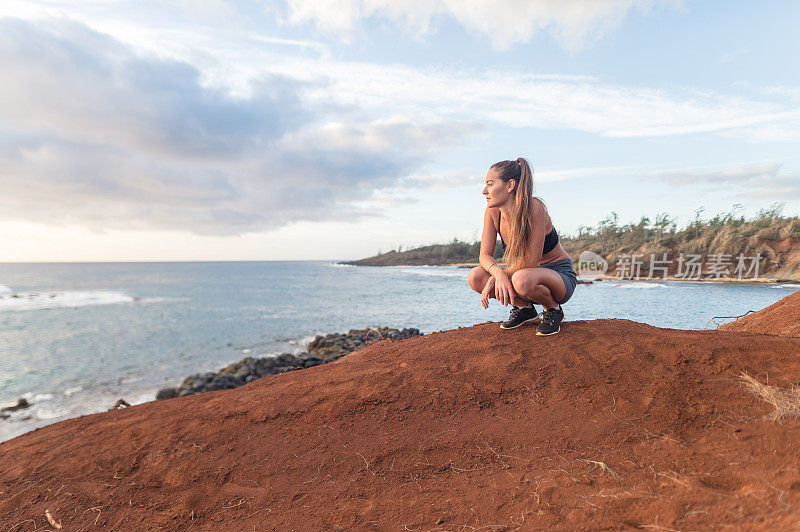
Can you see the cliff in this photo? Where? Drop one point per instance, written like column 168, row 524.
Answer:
column 610, row 424
column 770, row 235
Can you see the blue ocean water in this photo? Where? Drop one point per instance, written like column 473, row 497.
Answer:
column 78, row 336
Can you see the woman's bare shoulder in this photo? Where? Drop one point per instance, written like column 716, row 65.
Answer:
column 539, row 203
column 492, row 213
column 539, row 210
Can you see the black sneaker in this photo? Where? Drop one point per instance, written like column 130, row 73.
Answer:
column 520, row 316
column 551, row 322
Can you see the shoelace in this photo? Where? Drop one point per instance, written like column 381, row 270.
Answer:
column 514, row 312
column 547, row 317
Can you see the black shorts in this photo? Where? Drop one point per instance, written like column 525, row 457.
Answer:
column 567, row 272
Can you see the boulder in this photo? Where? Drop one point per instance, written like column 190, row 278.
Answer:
column 321, row 350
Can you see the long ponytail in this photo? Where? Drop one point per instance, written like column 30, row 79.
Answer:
column 521, row 223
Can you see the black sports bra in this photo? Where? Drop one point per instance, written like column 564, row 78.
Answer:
column 550, row 240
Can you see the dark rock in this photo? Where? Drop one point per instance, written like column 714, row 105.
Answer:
column 287, row 360
column 312, row 361
column 167, row 393
column 21, row 403
column 223, row 382
column 321, row 350
column 336, row 343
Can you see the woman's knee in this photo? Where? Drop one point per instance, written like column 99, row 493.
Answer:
column 523, row 282
column 532, row 284
column 477, row 278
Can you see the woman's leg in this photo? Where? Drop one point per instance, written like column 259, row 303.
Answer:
column 477, row 279
column 540, row 285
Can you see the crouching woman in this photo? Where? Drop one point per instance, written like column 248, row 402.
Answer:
column 538, row 269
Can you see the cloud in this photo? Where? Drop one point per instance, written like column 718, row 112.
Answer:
column 233, row 62
column 729, row 175
column 443, row 180
column 778, row 189
column 550, row 102
column 64, row 80
column 93, row 134
column 762, row 180
column 503, row 22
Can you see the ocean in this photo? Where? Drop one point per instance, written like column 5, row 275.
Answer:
column 75, row 337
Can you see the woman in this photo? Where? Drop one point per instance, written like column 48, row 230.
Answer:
column 538, row 268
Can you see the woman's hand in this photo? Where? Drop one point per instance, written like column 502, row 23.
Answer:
column 487, row 290
column 503, row 289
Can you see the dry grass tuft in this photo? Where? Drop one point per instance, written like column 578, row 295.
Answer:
column 602, row 466
column 785, row 401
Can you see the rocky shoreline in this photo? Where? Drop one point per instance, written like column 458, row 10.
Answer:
column 320, row 350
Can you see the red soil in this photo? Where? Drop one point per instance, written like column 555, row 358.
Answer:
column 781, row 318
column 610, row 425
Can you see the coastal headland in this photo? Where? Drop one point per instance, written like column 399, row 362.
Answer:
column 728, row 247
column 611, row 424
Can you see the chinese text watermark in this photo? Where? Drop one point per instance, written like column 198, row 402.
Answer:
column 690, row 266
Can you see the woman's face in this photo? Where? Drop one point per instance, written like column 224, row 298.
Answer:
column 497, row 191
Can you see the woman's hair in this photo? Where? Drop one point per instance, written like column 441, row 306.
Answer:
column 521, row 223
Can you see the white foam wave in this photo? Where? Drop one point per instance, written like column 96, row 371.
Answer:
column 304, row 341
column 145, row 397
column 793, row 286
column 39, row 397
column 72, row 298
column 69, row 391
column 641, row 285
column 50, row 413
column 68, row 298
column 339, row 265
column 5, row 290
column 436, row 273
column 159, row 299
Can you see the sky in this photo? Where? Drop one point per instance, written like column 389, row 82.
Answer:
column 321, row 130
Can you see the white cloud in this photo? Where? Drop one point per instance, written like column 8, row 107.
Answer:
column 751, row 181
column 508, row 98
column 502, row 22
column 231, row 60
column 727, row 175
column 93, row 134
column 443, row 180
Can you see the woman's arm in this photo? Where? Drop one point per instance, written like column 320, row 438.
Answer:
column 501, row 283
column 488, row 243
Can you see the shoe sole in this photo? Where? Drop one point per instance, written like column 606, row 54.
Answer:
column 532, row 320
column 548, row 334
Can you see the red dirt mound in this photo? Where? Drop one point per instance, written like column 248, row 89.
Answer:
column 781, row 318
column 609, row 425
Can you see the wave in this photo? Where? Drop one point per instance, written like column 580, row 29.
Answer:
column 71, row 298
column 793, row 286
column 159, row 299
column 340, row 265
column 305, row 340
column 641, row 285
column 435, row 273
column 47, row 414
column 69, row 391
